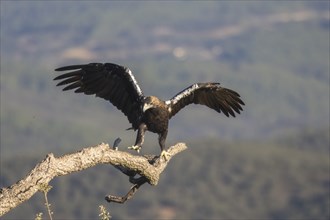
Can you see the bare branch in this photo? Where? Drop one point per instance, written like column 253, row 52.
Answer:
column 118, row 199
column 148, row 167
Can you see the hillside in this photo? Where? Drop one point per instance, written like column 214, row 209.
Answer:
column 211, row 180
column 276, row 58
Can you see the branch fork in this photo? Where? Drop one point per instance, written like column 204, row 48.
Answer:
column 148, row 167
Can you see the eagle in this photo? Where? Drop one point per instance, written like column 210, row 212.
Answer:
column 117, row 84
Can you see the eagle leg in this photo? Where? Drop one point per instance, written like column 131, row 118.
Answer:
column 139, row 138
column 164, row 154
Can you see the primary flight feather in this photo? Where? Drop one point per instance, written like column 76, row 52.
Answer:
column 118, row 85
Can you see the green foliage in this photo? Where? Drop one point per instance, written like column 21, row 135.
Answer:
column 45, row 189
column 104, row 214
column 38, row 216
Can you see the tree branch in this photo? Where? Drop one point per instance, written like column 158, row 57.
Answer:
column 148, row 167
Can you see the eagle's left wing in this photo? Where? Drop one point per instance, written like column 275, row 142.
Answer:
column 210, row 94
column 109, row 81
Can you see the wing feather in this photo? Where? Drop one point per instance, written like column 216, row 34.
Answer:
column 109, row 81
column 79, row 90
column 68, row 80
column 72, row 86
column 212, row 95
column 66, row 75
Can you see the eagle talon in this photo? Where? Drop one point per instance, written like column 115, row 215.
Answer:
column 135, row 147
column 166, row 155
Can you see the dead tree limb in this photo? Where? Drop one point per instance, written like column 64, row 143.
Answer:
column 148, row 167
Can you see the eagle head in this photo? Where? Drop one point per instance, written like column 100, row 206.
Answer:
column 152, row 102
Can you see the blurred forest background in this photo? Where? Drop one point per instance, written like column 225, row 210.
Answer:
column 270, row 162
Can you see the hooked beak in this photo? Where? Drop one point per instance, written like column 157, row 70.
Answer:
column 146, row 106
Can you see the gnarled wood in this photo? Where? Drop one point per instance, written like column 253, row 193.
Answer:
column 148, row 167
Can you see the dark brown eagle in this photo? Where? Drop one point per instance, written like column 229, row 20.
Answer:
column 117, row 84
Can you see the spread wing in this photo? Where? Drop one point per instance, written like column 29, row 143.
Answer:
column 209, row 94
column 109, row 81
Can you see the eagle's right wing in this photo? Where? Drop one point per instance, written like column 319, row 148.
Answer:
column 109, row 81
column 210, row 94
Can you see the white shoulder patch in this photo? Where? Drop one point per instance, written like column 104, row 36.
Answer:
column 187, row 92
column 136, row 85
